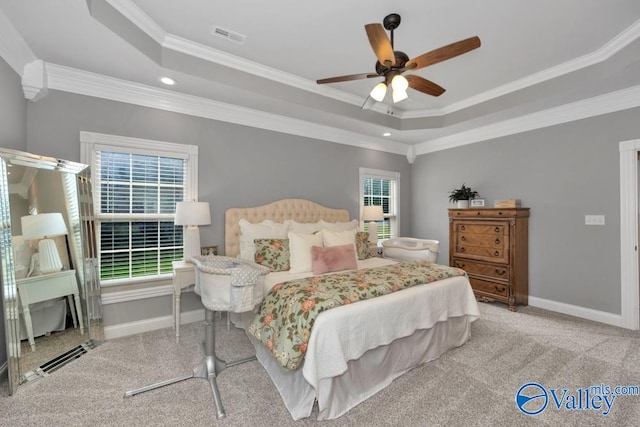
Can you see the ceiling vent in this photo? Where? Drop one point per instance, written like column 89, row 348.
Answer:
column 228, row 34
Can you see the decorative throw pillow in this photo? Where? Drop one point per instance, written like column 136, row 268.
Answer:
column 362, row 244
column 335, row 238
column 265, row 230
column 273, row 253
column 339, row 226
column 300, row 250
column 303, row 227
column 333, row 258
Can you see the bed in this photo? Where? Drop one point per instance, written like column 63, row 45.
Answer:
column 355, row 350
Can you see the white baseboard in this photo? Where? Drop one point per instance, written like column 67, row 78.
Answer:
column 131, row 328
column 574, row 310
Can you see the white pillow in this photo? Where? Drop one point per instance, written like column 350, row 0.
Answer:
column 265, row 230
column 340, row 226
column 303, row 227
column 300, row 260
column 337, row 238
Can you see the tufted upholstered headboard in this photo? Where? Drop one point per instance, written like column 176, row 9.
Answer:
column 300, row 210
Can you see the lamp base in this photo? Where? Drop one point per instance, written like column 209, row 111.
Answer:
column 191, row 242
column 49, row 258
column 373, row 233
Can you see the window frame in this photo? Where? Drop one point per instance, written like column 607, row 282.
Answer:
column 91, row 143
column 394, row 203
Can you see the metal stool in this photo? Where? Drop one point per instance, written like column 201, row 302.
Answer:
column 209, row 368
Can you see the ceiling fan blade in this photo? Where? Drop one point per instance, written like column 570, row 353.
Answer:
column 346, row 78
column 443, row 53
column 425, row 86
column 380, row 44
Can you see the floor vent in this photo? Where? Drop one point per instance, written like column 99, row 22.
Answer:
column 228, row 34
column 57, row 362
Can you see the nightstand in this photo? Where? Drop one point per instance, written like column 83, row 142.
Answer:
column 48, row 286
column 375, row 251
column 184, row 275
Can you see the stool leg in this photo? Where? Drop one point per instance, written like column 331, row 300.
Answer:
column 208, row 369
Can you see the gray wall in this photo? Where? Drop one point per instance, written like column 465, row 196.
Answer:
column 13, row 127
column 238, row 165
column 561, row 173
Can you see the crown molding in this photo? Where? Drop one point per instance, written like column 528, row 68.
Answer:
column 139, row 18
column 605, row 52
column 34, row 80
column 590, row 107
column 90, row 84
column 133, row 13
column 13, row 48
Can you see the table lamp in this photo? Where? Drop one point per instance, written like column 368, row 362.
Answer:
column 191, row 215
column 43, row 227
column 372, row 214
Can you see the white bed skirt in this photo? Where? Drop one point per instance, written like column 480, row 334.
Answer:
column 369, row 374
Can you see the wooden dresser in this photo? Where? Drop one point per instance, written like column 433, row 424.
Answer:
column 491, row 245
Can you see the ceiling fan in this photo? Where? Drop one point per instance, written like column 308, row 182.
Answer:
column 392, row 63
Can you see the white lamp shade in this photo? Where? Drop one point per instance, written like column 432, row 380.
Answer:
column 399, row 95
column 192, row 213
column 379, row 91
column 43, row 225
column 372, row 213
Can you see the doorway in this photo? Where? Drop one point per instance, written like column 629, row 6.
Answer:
column 629, row 217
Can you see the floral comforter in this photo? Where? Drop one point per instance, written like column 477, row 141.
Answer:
column 287, row 314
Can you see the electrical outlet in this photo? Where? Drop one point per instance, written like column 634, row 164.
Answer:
column 594, row 219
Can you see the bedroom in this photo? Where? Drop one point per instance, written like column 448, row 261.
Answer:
column 562, row 172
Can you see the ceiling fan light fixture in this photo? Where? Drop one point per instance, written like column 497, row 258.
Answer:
column 399, row 95
column 399, row 83
column 379, row 91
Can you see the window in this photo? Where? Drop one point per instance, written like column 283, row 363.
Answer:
column 382, row 188
column 135, row 191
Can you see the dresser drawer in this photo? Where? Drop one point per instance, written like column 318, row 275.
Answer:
column 482, row 269
column 488, row 213
column 499, row 242
column 494, row 288
column 482, row 228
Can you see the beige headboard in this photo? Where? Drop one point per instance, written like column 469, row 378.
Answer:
column 297, row 209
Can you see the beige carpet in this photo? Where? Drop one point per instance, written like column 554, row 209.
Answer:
column 474, row 385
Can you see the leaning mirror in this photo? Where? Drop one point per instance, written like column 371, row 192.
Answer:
column 49, row 287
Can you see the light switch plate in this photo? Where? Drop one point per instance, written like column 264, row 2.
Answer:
column 594, row 219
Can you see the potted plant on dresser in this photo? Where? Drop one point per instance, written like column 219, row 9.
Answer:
column 462, row 195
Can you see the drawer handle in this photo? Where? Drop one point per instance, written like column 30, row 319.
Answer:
column 499, row 213
column 463, row 238
column 478, row 213
column 462, row 227
column 497, row 241
column 500, row 272
column 496, row 253
column 497, row 229
column 460, row 264
column 461, row 249
column 499, row 289
column 458, row 213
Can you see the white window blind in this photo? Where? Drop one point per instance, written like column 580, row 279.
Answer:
column 135, row 194
column 381, row 188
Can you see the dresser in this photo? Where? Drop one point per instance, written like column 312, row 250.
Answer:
column 491, row 245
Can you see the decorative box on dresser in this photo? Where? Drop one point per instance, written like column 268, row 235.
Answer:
column 492, row 246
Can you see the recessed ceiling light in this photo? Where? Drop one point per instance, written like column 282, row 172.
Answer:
column 168, row 81
column 386, row 134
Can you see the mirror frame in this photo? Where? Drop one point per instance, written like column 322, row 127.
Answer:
column 7, row 269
